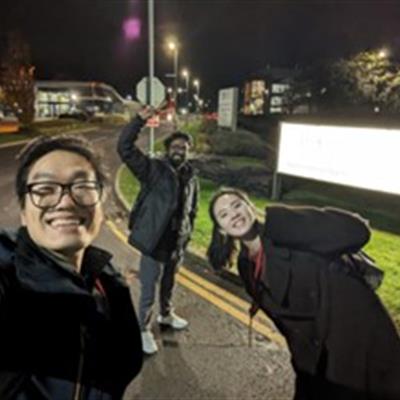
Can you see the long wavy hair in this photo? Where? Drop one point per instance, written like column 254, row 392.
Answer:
column 223, row 249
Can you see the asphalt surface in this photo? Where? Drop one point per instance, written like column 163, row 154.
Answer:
column 211, row 359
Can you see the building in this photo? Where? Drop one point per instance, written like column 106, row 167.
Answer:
column 58, row 98
column 268, row 91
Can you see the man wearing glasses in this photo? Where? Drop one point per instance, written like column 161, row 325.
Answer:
column 68, row 327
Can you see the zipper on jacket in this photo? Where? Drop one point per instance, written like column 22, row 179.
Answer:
column 171, row 210
column 78, row 384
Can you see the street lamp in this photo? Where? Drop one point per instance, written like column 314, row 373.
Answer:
column 383, row 53
column 196, row 84
column 185, row 74
column 173, row 46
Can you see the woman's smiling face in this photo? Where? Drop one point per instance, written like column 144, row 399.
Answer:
column 234, row 215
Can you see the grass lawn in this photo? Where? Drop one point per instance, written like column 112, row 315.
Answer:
column 238, row 162
column 384, row 246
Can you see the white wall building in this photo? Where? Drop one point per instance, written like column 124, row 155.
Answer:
column 55, row 98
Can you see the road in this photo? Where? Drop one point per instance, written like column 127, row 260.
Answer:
column 210, row 360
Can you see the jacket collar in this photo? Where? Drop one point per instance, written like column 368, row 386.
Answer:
column 36, row 271
column 277, row 271
column 186, row 171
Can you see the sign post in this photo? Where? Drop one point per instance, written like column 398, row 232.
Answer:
column 149, row 87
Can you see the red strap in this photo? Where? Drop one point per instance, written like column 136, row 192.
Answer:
column 259, row 260
column 99, row 287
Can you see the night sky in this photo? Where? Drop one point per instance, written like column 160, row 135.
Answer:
column 221, row 41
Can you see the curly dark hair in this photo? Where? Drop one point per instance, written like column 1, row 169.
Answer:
column 178, row 135
column 42, row 145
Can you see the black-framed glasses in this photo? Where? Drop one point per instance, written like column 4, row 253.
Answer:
column 49, row 194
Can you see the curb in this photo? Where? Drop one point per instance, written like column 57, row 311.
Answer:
column 117, row 189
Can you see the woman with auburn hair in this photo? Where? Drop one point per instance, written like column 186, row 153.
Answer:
column 342, row 341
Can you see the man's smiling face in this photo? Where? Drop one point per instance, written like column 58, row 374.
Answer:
column 66, row 228
column 178, row 151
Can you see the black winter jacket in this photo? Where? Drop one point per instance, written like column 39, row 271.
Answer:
column 336, row 328
column 158, row 196
column 54, row 336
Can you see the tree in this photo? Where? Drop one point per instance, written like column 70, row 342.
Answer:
column 368, row 79
column 17, row 79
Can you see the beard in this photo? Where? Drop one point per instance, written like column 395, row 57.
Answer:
column 177, row 159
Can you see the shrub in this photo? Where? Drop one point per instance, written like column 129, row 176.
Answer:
column 240, row 143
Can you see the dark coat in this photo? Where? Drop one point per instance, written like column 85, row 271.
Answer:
column 51, row 325
column 337, row 330
column 158, row 196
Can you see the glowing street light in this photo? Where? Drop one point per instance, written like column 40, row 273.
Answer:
column 196, row 84
column 185, row 74
column 173, row 46
column 383, row 53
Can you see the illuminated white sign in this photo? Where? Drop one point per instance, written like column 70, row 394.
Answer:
column 227, row 108
column 367, row 158
column 279, row 87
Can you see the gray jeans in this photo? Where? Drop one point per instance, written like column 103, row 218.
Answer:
column 154, row 274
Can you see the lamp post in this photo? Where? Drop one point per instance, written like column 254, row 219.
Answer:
column 185, row 74
column 173, row 46
column 196, row 84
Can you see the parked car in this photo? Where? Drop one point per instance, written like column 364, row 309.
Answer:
column 77, row 114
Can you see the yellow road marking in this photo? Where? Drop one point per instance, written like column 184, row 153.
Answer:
column 116, row 231
column 217, row 296
column 217, row 290
column 229, row 309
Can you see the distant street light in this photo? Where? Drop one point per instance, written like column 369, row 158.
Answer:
column 185, row 74
column 383, row 53
column 196, row 84
column 173, row 46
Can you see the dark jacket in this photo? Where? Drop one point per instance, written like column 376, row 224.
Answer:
column 335, row 326
column 57, row 329
column 158, row 196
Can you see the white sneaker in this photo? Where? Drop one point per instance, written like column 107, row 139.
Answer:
column 173, row 320
column 149, row 344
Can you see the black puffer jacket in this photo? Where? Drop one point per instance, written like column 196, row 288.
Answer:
column 337, row 330
column 157, row 200
column 58, row 333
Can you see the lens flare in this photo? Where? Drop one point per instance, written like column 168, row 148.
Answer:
column 132, row 28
